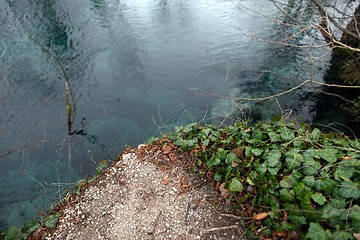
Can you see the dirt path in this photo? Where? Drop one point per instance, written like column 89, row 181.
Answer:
column 147, row 194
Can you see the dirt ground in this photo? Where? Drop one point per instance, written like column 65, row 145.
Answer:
column 148, row 193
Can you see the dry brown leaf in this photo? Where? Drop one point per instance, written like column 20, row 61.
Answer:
column 166, row 180
column 167, row 149
column 281, row 234
column 238, row 152
column 223, row 192
column 260, row 216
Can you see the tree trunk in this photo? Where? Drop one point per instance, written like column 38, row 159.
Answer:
column 353, row 27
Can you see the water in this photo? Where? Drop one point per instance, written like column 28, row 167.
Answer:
column 136, row 68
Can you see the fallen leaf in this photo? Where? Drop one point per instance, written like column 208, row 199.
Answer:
column 167, row 149
column 166, row 180
column 260, row 216
column 223, row 192
column 281, row 234
column 238, row 152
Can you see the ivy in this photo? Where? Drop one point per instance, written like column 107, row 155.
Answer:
column 302, row 177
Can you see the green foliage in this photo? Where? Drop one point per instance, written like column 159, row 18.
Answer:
column 312, row 177
column 101, row 166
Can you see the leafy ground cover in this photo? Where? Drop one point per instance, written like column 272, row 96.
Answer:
column 301, row 182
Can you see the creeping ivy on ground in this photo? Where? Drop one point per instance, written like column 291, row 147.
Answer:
column 307, row 181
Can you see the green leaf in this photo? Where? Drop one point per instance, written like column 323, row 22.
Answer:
column 356, row 226
column 315, row 135
column 349, row 190
column 235, row 185
column 309, row 154
column 257, row 151
column 325, row 184
column 274, row 137
column 328, row 154
column 297, row 143
column 286, row 134
column 248, row 151
column 51, row 220
column 297, row 220
column 355, row 213
column 344, row 173
column 331, row 212
column 310, row 167
column 294, row 161
column 231, row 157
column 274, row 170
column 273, row 158
column 342, row 235
column 309, row 180
column 218, row 177
column 287, row 195
column 318, row 198
column 299, row 189
column 261, row 168
column 316, row 232
column 206, row 131
column 214, row 161
column 206, row 142
column 257, row 134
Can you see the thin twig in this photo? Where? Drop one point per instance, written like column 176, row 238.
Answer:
column 220, row 228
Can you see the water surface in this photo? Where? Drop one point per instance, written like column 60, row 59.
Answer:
column 136, row 68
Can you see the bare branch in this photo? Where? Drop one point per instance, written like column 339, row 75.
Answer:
column 324, row 13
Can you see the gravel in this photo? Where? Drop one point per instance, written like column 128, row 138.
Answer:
column 145, row 195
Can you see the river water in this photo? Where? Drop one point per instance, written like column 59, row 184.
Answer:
column 136, row 68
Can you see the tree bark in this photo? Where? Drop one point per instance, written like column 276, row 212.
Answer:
column 353, row 27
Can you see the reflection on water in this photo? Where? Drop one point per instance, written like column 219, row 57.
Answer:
column 134, row 67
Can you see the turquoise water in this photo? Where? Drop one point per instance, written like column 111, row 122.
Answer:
column 136, row 68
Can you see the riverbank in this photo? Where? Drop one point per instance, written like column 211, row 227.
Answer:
column 268, row 180
column 148, row 193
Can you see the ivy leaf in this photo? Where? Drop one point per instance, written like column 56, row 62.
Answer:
column 274, row 137
column 342, row 235
column 287, row 195
column 214, row 161
column 325, row 184
column 309, row 180
column 315, row 134
column 355, row 213
column 297, row 220
column 261, row 168
column 349, row 190
column 299, row 189
column 294, row 161
column 286, row 134
column 328, row 154
column 344, row 173
column 52, row 220
column 256, row 151
column 310, row 167
column 235, row 185
column 318, row 198
column 230, row 157
column 274, row 170
column 273, row 158
column 257, row 134
column 316, row 232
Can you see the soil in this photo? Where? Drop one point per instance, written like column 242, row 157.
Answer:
column 148, row 193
